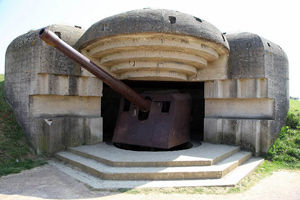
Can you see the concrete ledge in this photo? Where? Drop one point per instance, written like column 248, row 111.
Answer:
column 237, row 88
column 240, row 108
column 54, row 84
column 50, row 106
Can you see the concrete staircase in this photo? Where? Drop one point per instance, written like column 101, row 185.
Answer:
column 105, row 166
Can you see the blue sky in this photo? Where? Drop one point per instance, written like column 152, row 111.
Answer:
column 275, row 20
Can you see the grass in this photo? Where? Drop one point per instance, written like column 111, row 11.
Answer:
column 293, row 116
column 286, row 149
column 15, row 151
column 294, row 106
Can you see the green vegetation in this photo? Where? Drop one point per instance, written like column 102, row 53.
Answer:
column 285, row 151
column 15, row 152
column 293, row 116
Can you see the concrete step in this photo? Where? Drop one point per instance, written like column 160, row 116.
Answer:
column 204, row 154
column 231, row 179
column 107, row 172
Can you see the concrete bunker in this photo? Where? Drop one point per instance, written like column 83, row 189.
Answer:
column 242, row 78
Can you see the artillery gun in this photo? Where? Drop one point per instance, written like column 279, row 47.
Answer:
column 157, row 119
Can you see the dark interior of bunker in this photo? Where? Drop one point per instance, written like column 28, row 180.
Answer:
column 111, row 101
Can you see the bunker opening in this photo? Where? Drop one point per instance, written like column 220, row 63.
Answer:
column 111, row 105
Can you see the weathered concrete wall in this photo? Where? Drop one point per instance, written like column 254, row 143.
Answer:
column 55, row 102
column 249, row 108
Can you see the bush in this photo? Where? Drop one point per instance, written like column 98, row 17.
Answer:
column 293, row 120
column 286, row 149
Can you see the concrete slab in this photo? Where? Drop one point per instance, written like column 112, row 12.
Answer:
column 108, row 167
column 199, row 155
column 154, row 173
column 229, row 180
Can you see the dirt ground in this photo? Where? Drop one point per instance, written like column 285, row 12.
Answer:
column 47, row 182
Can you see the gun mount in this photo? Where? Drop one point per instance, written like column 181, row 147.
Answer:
column 158, row 120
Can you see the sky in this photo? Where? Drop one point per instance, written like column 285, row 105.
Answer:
column 274, row 20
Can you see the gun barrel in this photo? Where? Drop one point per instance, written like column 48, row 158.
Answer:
column 53, row 40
